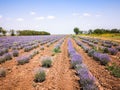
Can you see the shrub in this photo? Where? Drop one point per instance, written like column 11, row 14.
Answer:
column 22, row 60
column 7, row 56
column 112, row 51
column 96, row 56
column 105, row 50
column 39, row 75
column 118, row 48
column 15, row 53
column 91, row 52
column 5, row 50
column 42, row 48
column 56, row 50
column 2, row 59
column 46, row 61
column 104, row 59
column 1, row 52
column 2, row 72
column 87, row 80
column 28, row 48
column 114, row 69
column 75, row 59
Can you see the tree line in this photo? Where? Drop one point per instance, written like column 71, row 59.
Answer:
column 96, row 31
column 22, row 32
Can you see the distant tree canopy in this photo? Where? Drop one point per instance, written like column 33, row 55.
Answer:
column 3, row 31
column 77, row 31
column 12, row 32
column 32, row 32
column 103, row 31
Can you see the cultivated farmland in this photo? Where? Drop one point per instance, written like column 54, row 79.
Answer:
column 59, row 62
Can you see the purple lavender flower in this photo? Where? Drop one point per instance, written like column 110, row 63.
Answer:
column 7, row 56
column 112, row 51
column 104, row 59
column 22, row 60
column 76, row 59
column 2, row 59
column 15, row 53
column 97, row 56
column 118, row 48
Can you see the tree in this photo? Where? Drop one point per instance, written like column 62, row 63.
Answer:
column 90, row 31
column 4, row 32
column 12, row 32
column 1, row 29
column 76, row 30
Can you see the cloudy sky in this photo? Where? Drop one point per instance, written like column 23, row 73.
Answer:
column 59, row 16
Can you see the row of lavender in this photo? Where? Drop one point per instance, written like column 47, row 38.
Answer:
column 27, row 43
column 98, row 56
column 104, row 46
column 87, row 80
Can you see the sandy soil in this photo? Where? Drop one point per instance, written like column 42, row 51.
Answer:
column 107, row 81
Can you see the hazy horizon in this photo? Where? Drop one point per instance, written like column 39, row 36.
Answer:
column 59, row 16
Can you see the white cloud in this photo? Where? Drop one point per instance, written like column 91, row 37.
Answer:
column 50, row 17
column 37, row 26
column 32, row 13
column 40, row 18
column 8, row 19
column 1, row 16
column 98, row 15
column 75, row 14
column 86, row 14
column 20, row 19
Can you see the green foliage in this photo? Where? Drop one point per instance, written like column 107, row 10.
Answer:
column 46, row 62
column 56, row 50
column 114, row 69
column 12, row 32
column 32, row 32
column 103, row 31
column 40, row 76
column 3, row 31
column 76, row 30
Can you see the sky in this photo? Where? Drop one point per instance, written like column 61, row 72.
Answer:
column 59, row 16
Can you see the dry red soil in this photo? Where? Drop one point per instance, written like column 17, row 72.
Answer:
column 58, row 77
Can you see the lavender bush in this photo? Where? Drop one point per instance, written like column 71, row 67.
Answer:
column 22, row 60
column 112, row 51
column 15, row 53
column 87, row 80
column 46, row 61
column 42, row 48
column 2, row 59
column 75, row 59
column 40, row 75
column 2, row 72
column 7, row 56
column 104, row 59
column 91, row 52
column 118, row 48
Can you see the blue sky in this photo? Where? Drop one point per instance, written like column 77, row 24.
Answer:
column 59, row 16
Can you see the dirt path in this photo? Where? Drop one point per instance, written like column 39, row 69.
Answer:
column 107, row 81
column 60, row 76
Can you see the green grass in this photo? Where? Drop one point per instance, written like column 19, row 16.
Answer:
column 114, row 70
